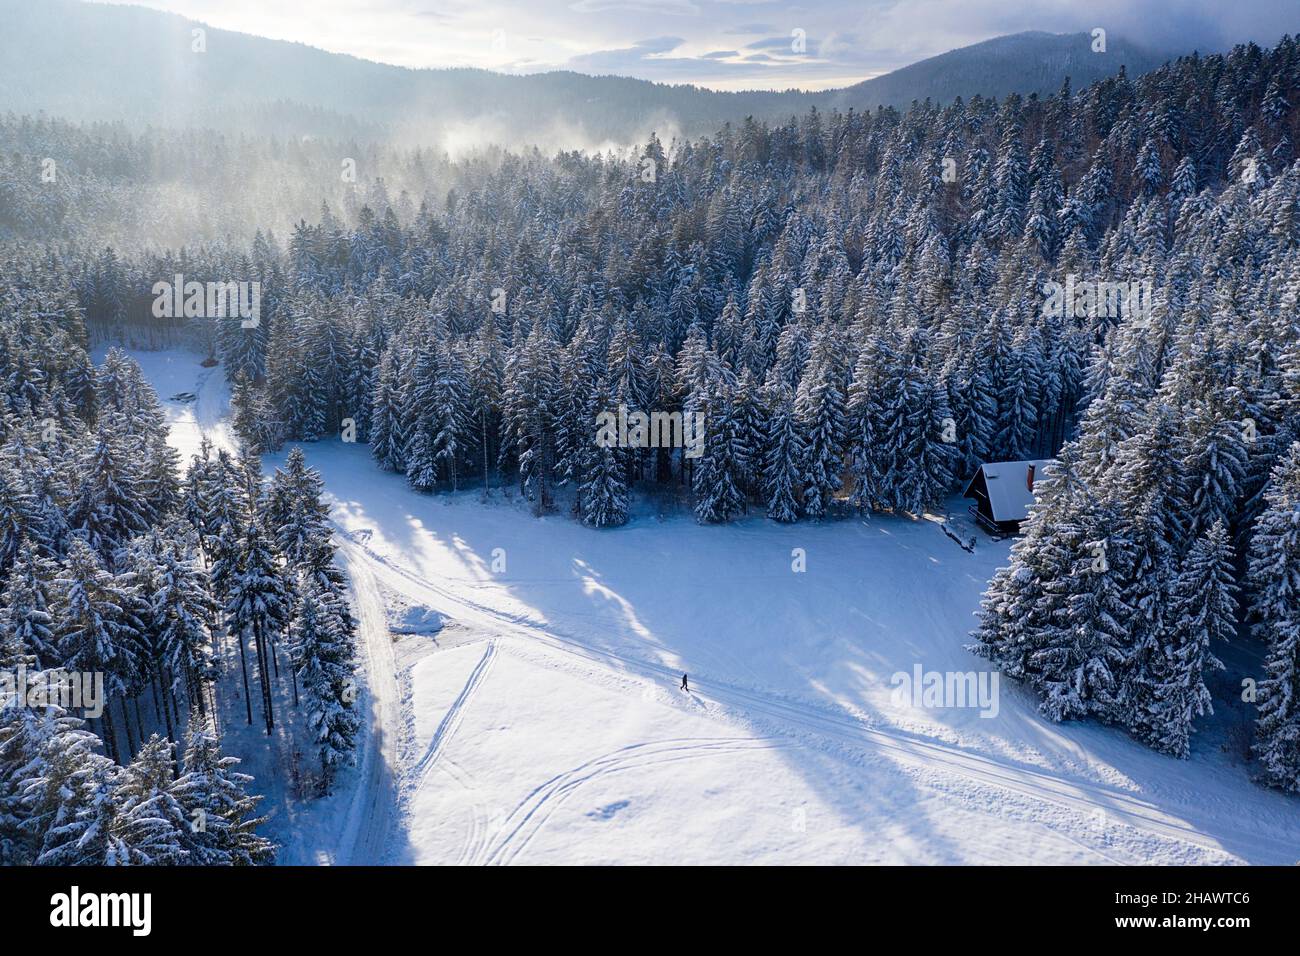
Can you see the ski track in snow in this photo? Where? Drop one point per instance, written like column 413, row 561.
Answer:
column 451, row 720
column 530, row 816
column 476, row 830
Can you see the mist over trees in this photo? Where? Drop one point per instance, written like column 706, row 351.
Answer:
column 54, row 56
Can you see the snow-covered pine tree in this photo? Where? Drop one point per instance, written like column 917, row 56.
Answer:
column 258, row 609
column 783, row 461
column 25, row 621
column 603, row 488
column 1203, row 613
column 324, row 660
column 220, row 811
column 1274, row 581
column 150, row 824
column 820, row 411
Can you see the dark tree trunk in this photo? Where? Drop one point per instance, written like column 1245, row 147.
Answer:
column 243, row 666
column 126, row 724
column 264, row 672
column 106, row 731
column 167, row 711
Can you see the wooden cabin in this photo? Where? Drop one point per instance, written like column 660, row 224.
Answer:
column 1003, row 492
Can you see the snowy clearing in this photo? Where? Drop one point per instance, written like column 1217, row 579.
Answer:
column 545, row 724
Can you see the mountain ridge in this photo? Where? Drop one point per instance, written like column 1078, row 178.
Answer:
column 84, row 61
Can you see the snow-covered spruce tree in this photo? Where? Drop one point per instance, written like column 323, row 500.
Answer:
column 1079, row 663
column 581, row 373
column 18, row 517
column 437, row 401
column 718, row 472
column 220, row 811
column 386, row 437
column 1203, row 612
column 925, row 458
column 111, row 505
column 68, row 790
column 1148, row 491
column 96, row 628
column 225, row 516
column 1027, row 622
column 484, row 381
column 25, row 621
column 1274, row 581
column 150, row 823
column 820, row 409
column 181, row 616
column 1213, row 466
column 528, row 407
column 783, row 462
column 1017, row 410
column 875, row 414
column 324, row 660
column 197, row 492
column 258, row 609
column 254, row 422
column 294, row 508
column 973, row 405
column 30, row 800
column 751, row 441
column 603, row 488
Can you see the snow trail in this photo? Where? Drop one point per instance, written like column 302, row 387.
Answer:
column 370, row 821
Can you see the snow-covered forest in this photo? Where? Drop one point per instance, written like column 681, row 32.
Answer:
column 189, row 588
column 855, row 305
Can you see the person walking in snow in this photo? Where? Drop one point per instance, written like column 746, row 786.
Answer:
column 684, row 685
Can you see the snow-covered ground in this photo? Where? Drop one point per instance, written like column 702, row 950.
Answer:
column 194, row 399
column 544, row 722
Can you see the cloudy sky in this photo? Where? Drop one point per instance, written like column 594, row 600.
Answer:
column 725, row 44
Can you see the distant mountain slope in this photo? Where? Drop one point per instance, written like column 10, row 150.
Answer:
column 1021, row 63
column 93, row 62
